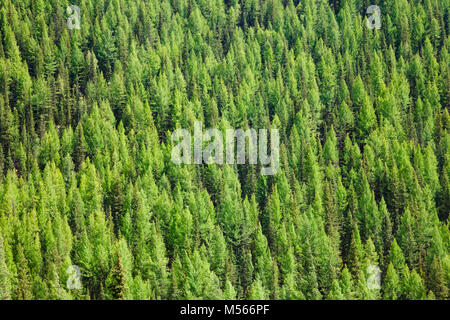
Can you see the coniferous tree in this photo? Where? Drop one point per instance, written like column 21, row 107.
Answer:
column 86, row 171
column 5, row 277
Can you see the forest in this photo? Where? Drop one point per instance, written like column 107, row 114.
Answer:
column 88, row 188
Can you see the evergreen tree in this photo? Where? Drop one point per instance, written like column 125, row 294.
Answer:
column 5, row 282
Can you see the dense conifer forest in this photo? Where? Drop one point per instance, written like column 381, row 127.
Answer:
column 86, row 177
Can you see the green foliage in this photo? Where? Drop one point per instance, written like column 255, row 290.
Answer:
column 86, row 176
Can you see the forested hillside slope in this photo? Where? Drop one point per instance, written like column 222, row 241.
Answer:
column 86, row 176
